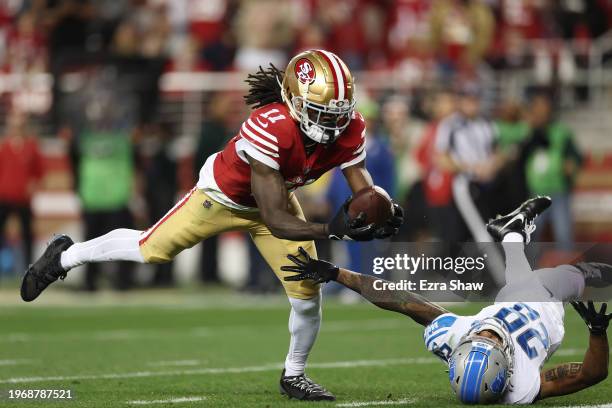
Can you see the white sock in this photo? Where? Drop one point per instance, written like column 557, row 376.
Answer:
column 513, row 237
column 117, row 245
column 304, row 323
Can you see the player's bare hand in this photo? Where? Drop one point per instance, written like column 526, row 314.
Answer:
column 342, row 227
column 597, row 322
column 315, row 269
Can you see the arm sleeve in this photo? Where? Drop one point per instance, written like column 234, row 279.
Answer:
column 259, row 143
column 358, row 153
column 438, row 335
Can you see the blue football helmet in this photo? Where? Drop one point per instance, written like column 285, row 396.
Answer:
column 480, row 367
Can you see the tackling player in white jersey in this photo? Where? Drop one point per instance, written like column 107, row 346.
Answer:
column 496, row 356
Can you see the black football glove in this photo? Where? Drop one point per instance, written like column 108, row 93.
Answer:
column 597, row 322
column 342, row 227
column 315, row 269
column 392, row 225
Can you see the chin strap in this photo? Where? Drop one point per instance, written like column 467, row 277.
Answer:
column 319, row 135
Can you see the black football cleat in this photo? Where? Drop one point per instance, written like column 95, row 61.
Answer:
column 597, row 275
column 520, row 220
column 304, row 389
column 46, row 270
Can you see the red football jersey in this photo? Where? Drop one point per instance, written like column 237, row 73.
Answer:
column 272, row 137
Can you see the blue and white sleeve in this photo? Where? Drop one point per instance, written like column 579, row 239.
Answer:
column 439, row 334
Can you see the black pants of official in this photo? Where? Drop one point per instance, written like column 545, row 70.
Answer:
column 24, row 214
column 98, row 223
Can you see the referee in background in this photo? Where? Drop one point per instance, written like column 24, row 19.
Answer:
column 466, row 145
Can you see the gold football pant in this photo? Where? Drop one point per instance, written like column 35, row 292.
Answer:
column 197, row 217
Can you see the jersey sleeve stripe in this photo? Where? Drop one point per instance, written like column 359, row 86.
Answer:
column 356, row 160
column 256, row 145
column 433, row 337
column 250, row 135
column 261, row 132
column 244, row 146
column 360, row 148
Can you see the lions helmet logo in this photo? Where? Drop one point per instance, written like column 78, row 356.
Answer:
column 304, row 71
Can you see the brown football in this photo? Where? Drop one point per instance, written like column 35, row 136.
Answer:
column 374, row 202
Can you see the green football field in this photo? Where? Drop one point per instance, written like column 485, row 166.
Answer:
column 219, row 349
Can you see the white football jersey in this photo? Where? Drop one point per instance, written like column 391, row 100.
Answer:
column 536, row 330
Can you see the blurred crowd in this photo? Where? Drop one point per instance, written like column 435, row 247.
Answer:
column 450, row 166
column 219, row 35
column 452, row 157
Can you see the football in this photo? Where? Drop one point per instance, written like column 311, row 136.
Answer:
column 375, row 202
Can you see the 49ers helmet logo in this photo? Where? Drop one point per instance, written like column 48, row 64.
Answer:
column 304, row 71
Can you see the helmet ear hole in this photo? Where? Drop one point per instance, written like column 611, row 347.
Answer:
column 297, row 104
column 458, row 378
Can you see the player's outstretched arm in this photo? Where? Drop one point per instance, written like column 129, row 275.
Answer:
column 410, row 304
column 569, row 378
column 268, row 188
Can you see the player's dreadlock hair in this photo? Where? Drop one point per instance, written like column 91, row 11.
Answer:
column 264, row 87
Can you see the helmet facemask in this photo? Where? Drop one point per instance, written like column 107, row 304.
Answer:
column 323, row 124
column 496, row 326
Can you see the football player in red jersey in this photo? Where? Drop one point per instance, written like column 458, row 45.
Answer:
column 303, row 124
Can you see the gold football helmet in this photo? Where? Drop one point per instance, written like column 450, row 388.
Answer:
column 318, row 88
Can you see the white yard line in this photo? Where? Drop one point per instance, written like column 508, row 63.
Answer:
column 166, row 401
column 16, row 362
column 223, row 370
column 569, row 352
column 176, row 363
column 144, row 334
column 101, row 335
column 376, row 363
column 363, row 325
column 376, row 403
column 584, row 406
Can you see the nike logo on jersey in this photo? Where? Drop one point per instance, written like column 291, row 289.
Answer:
column 263, row 125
